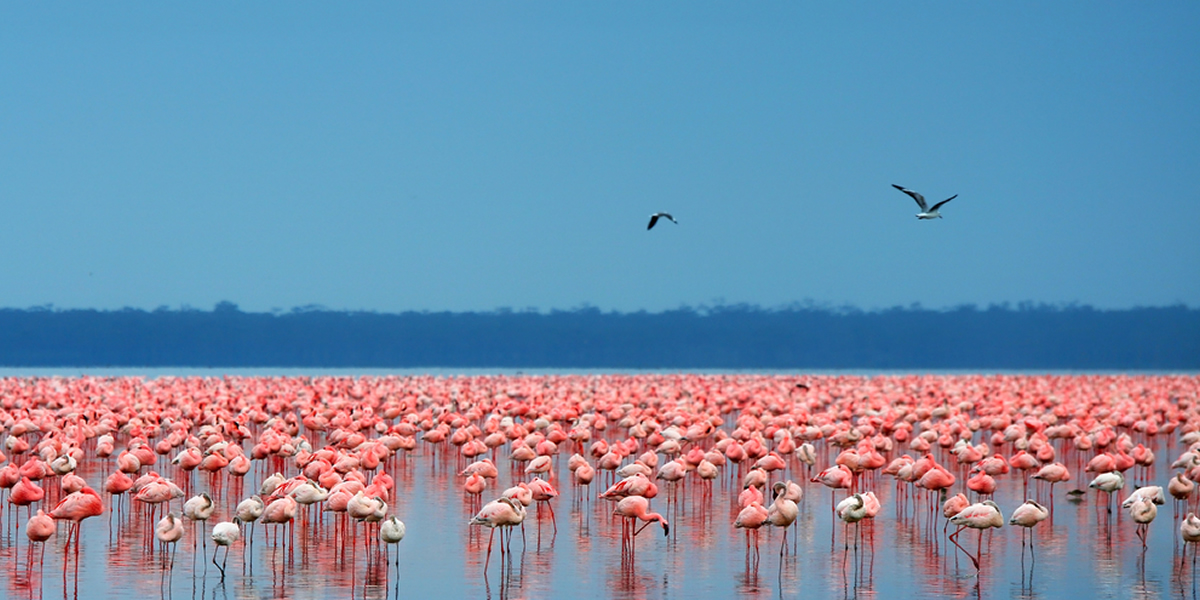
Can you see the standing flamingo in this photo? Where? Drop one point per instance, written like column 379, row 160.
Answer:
column 783, row 511
column 952, row 506
column 248, row 511
column 504, row 512
column 634, row 508
column 851, row 510
column 1053, row 473
column 751, row 518
column 1181, row 489
column 543, row 492
column 1143, row 511
column 1189, row 529
column 200, row 508
column 76, row 507
column 1108, row 483
column 1028, row 515
column 224, row 534
column 981, row 516
column 169, row 530
column 39, row 529
column 391, row 532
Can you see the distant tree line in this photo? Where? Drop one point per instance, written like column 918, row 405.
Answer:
column 724, row 337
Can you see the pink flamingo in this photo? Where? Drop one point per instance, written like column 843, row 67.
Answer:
column 1053, row 473
column 503, row 512
column 76, row 507
column 751, row 518
column 984, row 515
column 1027, row 516
column 543, row 492
column 783, row 511
column 169, row 530
column 38, row 530
column 634, row 508
column 1143, row 511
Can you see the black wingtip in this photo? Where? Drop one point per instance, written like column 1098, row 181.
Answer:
column 901, row 188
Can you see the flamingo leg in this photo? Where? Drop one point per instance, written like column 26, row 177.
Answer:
column 954, row 539
column 214, row 561
column 489, row 550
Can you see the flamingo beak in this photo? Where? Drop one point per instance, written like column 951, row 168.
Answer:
column 666, row 530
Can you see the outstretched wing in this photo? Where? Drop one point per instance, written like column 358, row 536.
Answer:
column 669, row 217
column 915, row 196
column 939, row 204
column 653, row 220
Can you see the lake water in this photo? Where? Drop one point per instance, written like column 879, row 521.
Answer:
column 1079, row 553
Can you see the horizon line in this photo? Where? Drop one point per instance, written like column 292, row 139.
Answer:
column 703, row 309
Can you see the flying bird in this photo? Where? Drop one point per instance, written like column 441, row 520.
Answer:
column 654, row 219
column 926, row 212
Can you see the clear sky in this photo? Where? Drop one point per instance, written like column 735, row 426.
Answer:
column 469, row 156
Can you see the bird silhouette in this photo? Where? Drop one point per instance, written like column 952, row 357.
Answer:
column 654, row 219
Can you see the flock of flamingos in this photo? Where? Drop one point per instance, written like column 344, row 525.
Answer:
column 201, row 461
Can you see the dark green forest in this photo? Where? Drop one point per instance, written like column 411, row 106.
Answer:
column 724, row 337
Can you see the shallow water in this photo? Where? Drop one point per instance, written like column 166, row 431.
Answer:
column 1076, row 554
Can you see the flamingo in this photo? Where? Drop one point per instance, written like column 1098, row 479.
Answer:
column 751, row 518
column 503, row 512
column 391, row 531
column 169, row 530
column 225, row 534
column 981, row 516
column 76, row 507
column 1028, row 515
column 39, row 529
column 952, row 506
column 543, row 492
column 1189, row 530
column 200, row 508
column 783, row 511
column 1150, row 493
column 280, row 511
column 1053, row 473
column 1108, row 483
column 1181, row 489
column 1143, row 511
column 248, row 511
column 634, row 508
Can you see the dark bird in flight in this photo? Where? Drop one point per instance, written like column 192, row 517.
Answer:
column 654, row 219
column 926, row 212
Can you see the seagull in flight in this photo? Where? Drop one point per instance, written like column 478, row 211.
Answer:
column 654, row 219
column 926, row 212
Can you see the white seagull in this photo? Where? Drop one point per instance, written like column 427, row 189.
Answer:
column 926, row 212
column 654, row 219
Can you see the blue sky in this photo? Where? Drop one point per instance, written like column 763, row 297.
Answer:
column 469, row 156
